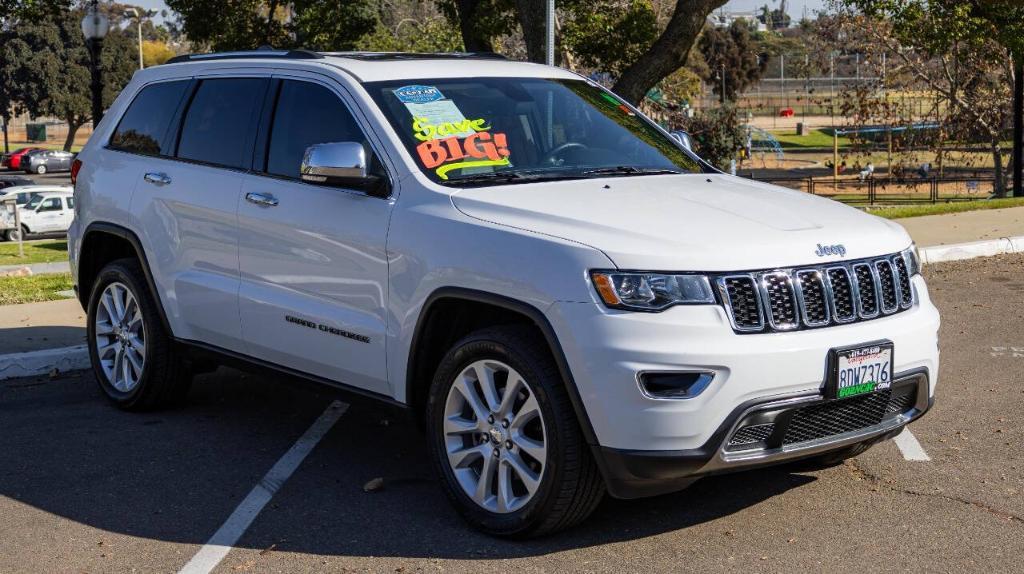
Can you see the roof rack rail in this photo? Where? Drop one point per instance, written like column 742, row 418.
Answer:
column 417, row 55
column 262, row 52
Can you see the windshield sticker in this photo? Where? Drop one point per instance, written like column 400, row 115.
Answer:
column 431, row 117
column 418, row 94
column 426, row 130
column 480, row 149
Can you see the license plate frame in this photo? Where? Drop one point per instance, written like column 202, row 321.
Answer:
column 841, row 358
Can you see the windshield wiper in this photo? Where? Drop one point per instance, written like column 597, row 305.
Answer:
column 500, row 177
column 629, row 170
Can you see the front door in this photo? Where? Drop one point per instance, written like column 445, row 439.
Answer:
column 312, row 259
column 48, row 216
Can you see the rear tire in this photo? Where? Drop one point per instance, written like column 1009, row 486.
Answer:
column 16, row 234
column 522, row 496
column 132, row 356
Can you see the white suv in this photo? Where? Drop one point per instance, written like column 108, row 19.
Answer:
column 568, row 300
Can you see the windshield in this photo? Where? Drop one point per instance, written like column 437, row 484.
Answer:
column 34, row 201
column 508, row 130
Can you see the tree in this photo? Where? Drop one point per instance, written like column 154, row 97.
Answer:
column 952, row 48
column 249, row 24
column 733, row 60
column 717, row 134
column 608, row 35
column 668, row 52
column 155, row 52
column 774, row 19
column 49, row 64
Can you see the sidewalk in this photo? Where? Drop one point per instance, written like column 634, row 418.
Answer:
column 34, row 326
column 965, row 227
column 37, row 268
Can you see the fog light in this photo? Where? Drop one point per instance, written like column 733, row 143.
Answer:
column 675, row 385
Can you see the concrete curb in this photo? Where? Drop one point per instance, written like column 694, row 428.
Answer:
column 959, row 251
column 42, row 362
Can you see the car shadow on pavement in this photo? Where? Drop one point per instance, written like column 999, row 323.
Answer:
column 25, row 339
column 175, row 476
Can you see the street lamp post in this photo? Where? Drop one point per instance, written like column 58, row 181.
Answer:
column 95, row 27
column 138, row 19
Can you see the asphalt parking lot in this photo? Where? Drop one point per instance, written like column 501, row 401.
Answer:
column 87, row 488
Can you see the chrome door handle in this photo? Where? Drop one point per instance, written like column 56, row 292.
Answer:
column 261, row 199
column 157, row 178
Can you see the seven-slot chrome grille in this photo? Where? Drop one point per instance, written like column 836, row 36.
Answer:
column 816, row 296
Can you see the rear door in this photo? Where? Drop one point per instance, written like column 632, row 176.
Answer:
column 313, row 266
column 186, row 201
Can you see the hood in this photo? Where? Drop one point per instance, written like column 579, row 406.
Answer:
column 687, row 222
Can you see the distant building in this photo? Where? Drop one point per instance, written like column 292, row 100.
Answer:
column 725, row 18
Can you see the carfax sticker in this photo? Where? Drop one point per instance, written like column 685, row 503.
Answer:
column 416, row 94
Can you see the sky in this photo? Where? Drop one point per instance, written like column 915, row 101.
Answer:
column 794, row 7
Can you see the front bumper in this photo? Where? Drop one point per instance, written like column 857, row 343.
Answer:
column 634, row 435
column 637, row 473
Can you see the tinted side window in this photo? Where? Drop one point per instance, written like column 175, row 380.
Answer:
column 143, row 127
column 218, row 122
column 307, row 114
column 70, row 201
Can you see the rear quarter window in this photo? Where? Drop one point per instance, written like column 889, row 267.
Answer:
column 143, row 128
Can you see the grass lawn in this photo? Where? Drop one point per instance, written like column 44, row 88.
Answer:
column 816, row 138
column 900, row 212
column 14, row 290
column 48, row 145
column 43, row 251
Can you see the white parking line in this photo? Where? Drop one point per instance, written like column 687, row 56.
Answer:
column 228, row 534
column 909, row 446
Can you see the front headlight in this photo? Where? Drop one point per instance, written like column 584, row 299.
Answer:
column 913, row 260
column 651, row 291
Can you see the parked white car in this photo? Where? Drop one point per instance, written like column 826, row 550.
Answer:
column 49, row 211
column 567, row 299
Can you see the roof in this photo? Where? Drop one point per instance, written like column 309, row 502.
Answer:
column 377, row 66
column 37, row 189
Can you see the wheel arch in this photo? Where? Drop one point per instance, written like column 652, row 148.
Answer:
column 104, row 242
column 431, row 341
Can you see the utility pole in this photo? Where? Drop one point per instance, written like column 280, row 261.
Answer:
column 551, row 33
column 1018, row 125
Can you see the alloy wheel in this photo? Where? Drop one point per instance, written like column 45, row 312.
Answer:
column 495, row 437
column 120, row 337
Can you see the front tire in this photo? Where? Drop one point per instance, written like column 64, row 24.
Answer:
column 132, row 356
column 504, row 438
column 41, row 169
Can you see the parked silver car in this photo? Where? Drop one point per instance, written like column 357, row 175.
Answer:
column 45, row 161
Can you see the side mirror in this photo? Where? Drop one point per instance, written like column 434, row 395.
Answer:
column 684, row 139
column 340, row 164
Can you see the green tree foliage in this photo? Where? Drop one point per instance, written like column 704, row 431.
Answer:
column 607, row 35
column 774, row 19
column 248, row 24
column 433, row 35
column 717, row 134
column 48, row 66
column 733, row 59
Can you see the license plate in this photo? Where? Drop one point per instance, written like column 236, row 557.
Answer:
column 859, row 370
